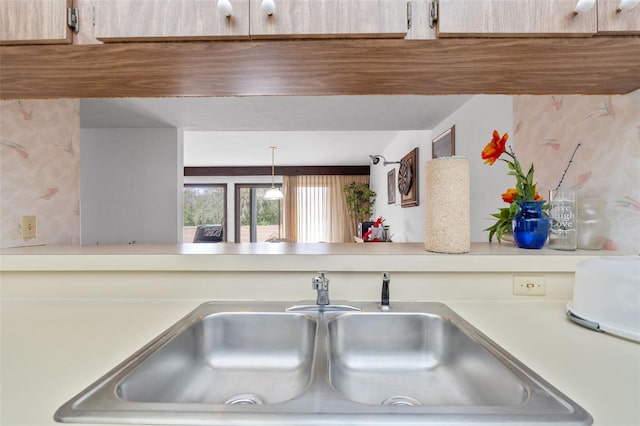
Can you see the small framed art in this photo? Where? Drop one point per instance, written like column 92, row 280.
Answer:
column 391, row 186
column 444, row 145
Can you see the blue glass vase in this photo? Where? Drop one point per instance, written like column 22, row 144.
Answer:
column 531, row 225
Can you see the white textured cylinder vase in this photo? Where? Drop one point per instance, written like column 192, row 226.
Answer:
column 447, row 205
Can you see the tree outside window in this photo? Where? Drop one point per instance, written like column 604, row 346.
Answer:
column 203, row 205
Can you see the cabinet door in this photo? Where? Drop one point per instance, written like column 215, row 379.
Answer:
column 509, row 18
column 148, row 20
column 625, row 22
column 330, row 19
column 34, row 22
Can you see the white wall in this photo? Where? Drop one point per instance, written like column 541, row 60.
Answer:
column 128, row 186
column 180, row 183
column 406, row 224
column 475, row 122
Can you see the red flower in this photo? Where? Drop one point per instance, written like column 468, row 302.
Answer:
column 495, row 148
column 537, row 197
column 508, row 196
column 511, row 193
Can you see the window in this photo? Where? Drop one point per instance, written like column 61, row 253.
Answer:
column 204, row 204
column 313, row 211
column 256, row 219
column 316, row 208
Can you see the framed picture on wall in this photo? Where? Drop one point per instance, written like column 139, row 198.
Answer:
column 391, row 186
column 444, row 145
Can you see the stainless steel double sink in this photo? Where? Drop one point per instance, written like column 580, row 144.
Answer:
column 261, row 364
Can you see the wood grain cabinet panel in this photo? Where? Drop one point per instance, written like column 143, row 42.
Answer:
column 330, row 19
column 514, row 18
column 150, row 20
column 626, row 22
column 34, row 22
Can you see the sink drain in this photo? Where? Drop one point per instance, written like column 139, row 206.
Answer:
column 401, row 401
column 244, row 399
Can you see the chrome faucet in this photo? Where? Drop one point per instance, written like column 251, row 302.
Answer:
column 384, row 299
column 321, row 285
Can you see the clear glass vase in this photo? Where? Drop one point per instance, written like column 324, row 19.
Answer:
column 563, row 214
column 593, row 224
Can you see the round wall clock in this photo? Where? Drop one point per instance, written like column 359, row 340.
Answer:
column 405, row 177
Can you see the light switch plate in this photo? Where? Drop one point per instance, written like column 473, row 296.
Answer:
column 29, row 227
column 529, row 285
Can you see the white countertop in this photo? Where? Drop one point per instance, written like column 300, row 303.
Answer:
column 405, row 257
column 52, row 349
column 69, row 314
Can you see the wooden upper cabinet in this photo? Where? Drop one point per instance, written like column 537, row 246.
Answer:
column 610, row 21
column 330, row 19
column 152, row 20
column 514, row 18
column 34, row 22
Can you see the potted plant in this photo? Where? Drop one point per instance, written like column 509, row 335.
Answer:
column 360, row 199
column 524, row 218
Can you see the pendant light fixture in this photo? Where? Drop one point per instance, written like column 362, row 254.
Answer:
column 273, row 193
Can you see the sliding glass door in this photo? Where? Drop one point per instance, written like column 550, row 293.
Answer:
column 256, row 219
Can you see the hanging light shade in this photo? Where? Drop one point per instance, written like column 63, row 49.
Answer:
column 273, row 193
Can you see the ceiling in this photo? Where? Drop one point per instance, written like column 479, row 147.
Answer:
column 308, row 130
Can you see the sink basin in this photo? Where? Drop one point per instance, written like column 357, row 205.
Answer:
column 228, row 358
column 415, row 359
column 256, row 363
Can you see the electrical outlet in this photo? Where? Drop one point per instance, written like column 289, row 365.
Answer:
column 29, row 227
column 529, row 285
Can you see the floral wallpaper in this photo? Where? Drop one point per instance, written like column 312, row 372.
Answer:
column 40, row 170
column 547, row 130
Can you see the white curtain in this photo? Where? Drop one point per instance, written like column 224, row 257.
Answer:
column 315, row 208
